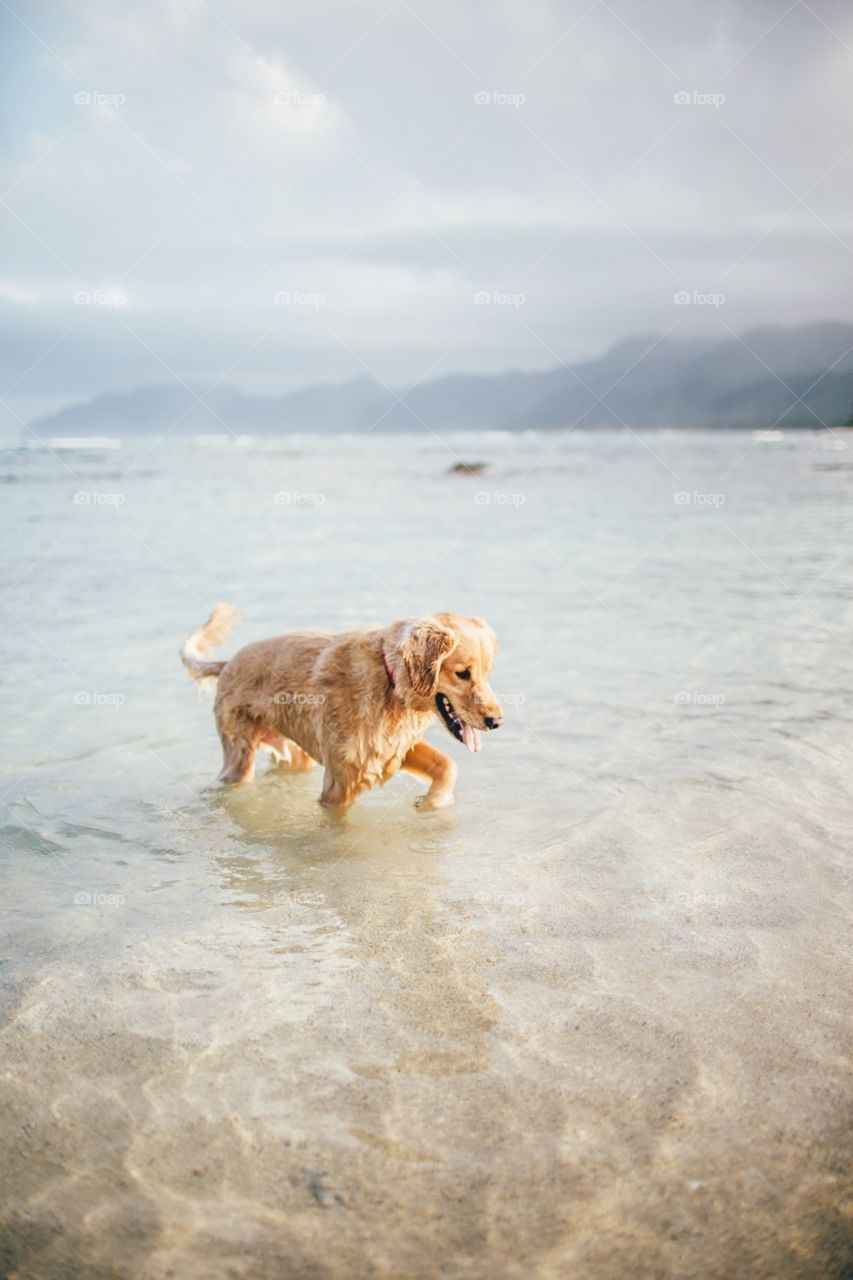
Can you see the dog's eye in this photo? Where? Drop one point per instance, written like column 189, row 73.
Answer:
column 463, row 675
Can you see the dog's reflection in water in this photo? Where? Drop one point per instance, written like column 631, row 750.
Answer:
column 376, row 879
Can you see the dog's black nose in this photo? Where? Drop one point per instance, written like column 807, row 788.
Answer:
column 493, row 722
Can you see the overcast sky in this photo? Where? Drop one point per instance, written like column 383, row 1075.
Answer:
column 181, row 164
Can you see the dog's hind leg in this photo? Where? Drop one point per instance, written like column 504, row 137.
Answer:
column 299, row 762
column 238, row 757
column 286, row 754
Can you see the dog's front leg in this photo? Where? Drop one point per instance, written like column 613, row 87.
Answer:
column 427, row 762
column 336, row 794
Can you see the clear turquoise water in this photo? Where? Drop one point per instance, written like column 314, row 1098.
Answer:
column 593, row 1021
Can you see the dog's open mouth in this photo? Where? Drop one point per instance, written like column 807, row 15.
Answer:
column 461, row 730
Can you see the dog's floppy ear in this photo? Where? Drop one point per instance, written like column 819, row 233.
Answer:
column 422, row 649
column 481, row 622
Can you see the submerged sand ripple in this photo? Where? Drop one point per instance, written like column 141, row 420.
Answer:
column 593, row 1023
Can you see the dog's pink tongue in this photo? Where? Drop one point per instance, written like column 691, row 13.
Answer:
column 470, row 737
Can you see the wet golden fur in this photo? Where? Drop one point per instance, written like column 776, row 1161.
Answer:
column 322, row 697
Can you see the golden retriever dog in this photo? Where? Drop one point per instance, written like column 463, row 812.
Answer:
column 358, row 702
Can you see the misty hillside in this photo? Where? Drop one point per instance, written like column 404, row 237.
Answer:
column 769, row 377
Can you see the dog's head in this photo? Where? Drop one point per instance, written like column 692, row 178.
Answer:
column 446, row 660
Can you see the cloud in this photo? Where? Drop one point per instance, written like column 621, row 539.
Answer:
column 10, row 292
column 202, row 162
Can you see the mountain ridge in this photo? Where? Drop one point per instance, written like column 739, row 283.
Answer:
column 769, row 376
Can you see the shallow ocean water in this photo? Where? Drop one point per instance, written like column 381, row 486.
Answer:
column 593, row 1021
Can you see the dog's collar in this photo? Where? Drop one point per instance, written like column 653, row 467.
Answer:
column 389, row 673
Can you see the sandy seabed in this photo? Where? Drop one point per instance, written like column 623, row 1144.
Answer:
column 593, row 1022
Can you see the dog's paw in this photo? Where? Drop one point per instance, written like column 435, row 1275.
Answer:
column 428, row 804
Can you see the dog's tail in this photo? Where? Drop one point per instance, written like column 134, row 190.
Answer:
column 206, row 638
